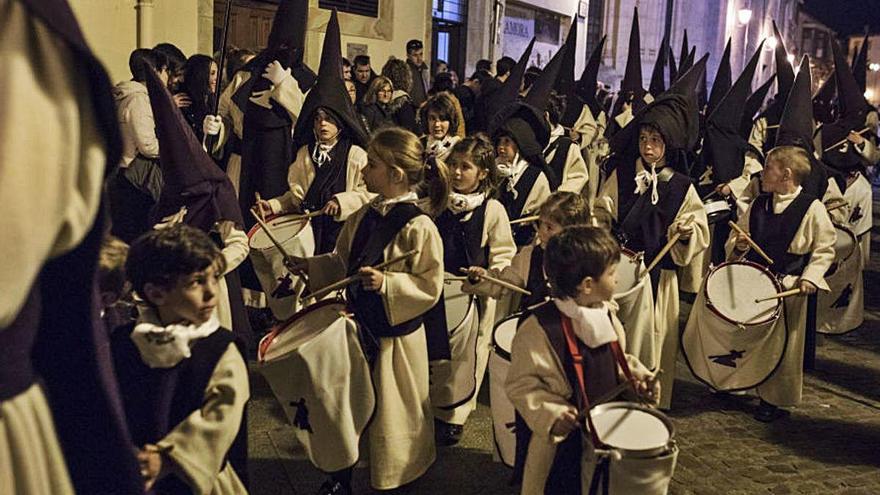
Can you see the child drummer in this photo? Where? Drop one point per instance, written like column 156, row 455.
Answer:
column 795, row 231
column 545, row 385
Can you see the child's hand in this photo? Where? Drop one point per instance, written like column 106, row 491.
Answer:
column 742, row 242
column 476, row 273
column 566, row 423
column 150, row 463
column 685, row 228
column 807, row 287
column 171, row 220
column 647, row 385
column 332, row 208
column 296, row 265
column 263, row 208
column 371, row 279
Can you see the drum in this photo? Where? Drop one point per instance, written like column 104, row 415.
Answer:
column 635, row 300
column 717, row 210
column 454, row 381
column 644, row 441
column 281, row 287
column 731, row 341
column 841, row 309
column 503, row 412
column 317, row 370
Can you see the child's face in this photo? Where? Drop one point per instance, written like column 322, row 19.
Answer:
column 192, row 299
column 547, row 228
column 602, row 289
column 378, row 176
column 506, row 149
column 437, row 125
column 466, row 176
column 325, row 127
column 774, row 176
column 651, row 145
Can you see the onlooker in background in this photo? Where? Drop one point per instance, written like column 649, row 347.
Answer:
column 363, row 75
column 199, row 85
column 454, row 76
column 503, row 67
column 402, row 107
column 352, row 91
column 485, row 65
column 442, row 82
column 440, row 66
column 235, row 60
column 374, row 106
column 415, row 60
column 346, row 69
column 176, row 63
column 467, row 95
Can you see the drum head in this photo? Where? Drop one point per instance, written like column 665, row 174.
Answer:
column 628, row 271
column 456, row 302
column 299, row 329
column 502, row 335
column 284, row 228
column 732, row 288
column 631, row 427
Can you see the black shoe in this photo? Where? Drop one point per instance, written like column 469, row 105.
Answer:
column 446, row 434
column 331, row 487
column 767, row 412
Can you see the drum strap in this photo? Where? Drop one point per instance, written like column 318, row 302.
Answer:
column 514, row 204
column 578, row 360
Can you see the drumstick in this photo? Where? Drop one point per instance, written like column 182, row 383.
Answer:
column 751, row 242
column 354, row 278
column 787, row 293
column 621, row 387
column 835, row 145
column 259, row 206
column 672, row 240
column 713, row 193
column 269, row 234
column 311, row 214
column 836, row 207
column 502, row 283
column 454, row 279
column 527, row 219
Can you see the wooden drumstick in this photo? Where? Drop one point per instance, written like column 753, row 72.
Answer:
column 527, row 219
column 304, row 216
column 502, row 283
column 270, row 235
column 259, row 206
column 836, row 207
column 672, row 240
column 835, row 145
column 454, row 279
column 354, row 278
column 751, row 242
column 790, row 292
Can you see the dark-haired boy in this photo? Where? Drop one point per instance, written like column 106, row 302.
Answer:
column 547, row 384
column 183, row 381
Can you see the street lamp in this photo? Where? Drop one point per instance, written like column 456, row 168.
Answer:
column 771, row 43
column 744, row 16
column 875, row 67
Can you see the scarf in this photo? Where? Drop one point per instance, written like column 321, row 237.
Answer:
column 461, row 203
column 321, row 153
column 591, row 325
column 440, row 147
column 512, row 171
column 383, row 206
column 163, row 346
column 646, row 180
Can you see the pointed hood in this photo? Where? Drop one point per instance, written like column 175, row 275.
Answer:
column 673, row 68
column 565, row 83
column 753, row 104
column 683, row 53
column 823, row 100
column 688, row 61
column 329, row 93
column 851, row 117
column 686, row 86
column 850, row 96
column 586, row 86
column 509, row 90
column 784, row 70
column 658, row 83
column 539, row 92
column 860, row 65
column 192, row 179
column 289, row 25
column 723, row 80
column 632, row 76
column 796, row 124
column 724, row 147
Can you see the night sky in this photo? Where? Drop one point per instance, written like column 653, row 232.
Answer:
column 846, row 17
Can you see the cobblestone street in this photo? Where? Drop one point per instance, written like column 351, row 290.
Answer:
column 829, row 445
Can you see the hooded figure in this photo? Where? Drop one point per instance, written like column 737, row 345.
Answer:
column 658, row 84
column 56, row 375
column 723, row 79
column 753, row 104
column 593, row 120
column 853, row 110
column 565, row 84
column 860, row 66
column 326, row 173
column 765, row 136
column 650, row 200
column 824, row 104
column 632, row 93
column 673, row 69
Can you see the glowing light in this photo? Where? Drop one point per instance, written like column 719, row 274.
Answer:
column 771, row 43
column 874, row 67
column 869, row 94
column 744, row 16
column 790, row 58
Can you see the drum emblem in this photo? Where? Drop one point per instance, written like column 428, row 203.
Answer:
column 856, row 214
column 845, row 296
column 285, row 287
column 728, row 360
column 301, row 419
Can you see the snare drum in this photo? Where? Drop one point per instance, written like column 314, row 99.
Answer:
column 845, row 246
column 281, row 287
column 629, row 271
column 635, row 299
column 841, row 309
column 503, row 412
column 317, row 370
column 717, row 210
column 732, row 342
column 454, row 381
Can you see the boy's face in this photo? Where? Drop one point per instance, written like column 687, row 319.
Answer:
column 547, row 228
column 651, row 146
column 506, row 149
column 192, row 299
column 774, row 176
column 602, row 288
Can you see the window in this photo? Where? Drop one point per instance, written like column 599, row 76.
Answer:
column 369, row 8
column 450, row 10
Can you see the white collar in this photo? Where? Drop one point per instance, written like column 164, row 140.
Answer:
column 557, row 131
column 591, row 325
column 383, row 206
column 163, row 346
column 460, row 203
column 789, row 196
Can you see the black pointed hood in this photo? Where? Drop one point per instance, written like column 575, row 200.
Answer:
column 723, row 80
column 824, row 100
column 564, row 84
column 286, row 43
column 860, row 66
column 850, row 96
column 851, row 117
column 724, row 147
column 686, row 86
column 784, row 70
column 539, row 92
column 509, row 90
column 753, row 104
column 673, row 68
column 658, row 82
column 683, row 54
column 796, row 124
column 632, row 82
column 191, row 178
column 586, row 86
column 329, row 92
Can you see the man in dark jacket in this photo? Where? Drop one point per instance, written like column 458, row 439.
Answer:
column 415, row 59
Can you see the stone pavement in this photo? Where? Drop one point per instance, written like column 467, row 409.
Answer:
column 829, row 445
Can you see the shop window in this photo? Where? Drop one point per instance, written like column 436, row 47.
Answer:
column 369, row 8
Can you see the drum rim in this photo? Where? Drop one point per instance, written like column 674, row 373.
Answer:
column 281, row 327
column 497, row 348
column 716, row 312
column 472, row 301
column 649, row 452
column 629, row 253
column 257, row 227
